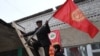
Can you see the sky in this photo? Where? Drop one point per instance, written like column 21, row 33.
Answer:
column 11, row 10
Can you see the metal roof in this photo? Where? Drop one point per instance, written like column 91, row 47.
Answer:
column 8, row 37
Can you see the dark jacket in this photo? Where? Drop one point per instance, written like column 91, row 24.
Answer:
column 42, row 35
column 59, row 54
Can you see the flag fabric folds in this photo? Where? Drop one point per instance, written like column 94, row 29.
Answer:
column 71, row 14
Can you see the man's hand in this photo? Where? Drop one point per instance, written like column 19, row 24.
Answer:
column 21, row 36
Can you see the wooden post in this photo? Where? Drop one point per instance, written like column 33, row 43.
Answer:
column 22, row 40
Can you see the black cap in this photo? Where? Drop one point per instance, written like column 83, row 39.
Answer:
column 39, row 21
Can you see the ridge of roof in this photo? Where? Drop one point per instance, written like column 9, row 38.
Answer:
column 6, row 24
column 34, row 15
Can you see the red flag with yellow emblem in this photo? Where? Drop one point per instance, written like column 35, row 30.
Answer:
column 71, row 14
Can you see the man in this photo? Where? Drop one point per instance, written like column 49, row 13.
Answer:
column 42, row 36
column 58, row 51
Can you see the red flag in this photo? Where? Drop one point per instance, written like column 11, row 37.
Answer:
column 71, row 14
column 54, row 37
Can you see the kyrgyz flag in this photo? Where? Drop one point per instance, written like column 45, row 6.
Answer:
column 71, row 14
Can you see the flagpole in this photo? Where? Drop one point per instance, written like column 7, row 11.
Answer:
column 49, row 18
column 54, row 9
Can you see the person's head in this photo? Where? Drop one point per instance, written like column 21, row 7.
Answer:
column 39, row 23
column 57, row 47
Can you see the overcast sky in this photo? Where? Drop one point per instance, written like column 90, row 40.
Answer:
column 11, row 10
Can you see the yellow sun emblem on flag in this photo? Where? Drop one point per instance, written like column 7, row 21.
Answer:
column 77, row 15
